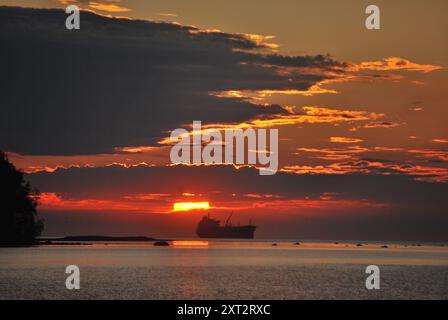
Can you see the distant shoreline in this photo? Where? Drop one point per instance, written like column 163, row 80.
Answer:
column 89, row 239
column 96, row 238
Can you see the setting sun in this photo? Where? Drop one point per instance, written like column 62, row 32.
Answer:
column 187, row 206
column 190, row 243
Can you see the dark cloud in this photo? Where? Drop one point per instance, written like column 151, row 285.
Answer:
column 120, row 82
column 116, row 181
column 318, row 61
column 413, row 209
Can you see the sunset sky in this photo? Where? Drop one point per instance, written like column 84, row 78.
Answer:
column 362, row 115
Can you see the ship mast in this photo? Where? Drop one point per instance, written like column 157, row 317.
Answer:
column 228, row 219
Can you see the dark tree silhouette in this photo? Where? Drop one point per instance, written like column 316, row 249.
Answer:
column 19, row 225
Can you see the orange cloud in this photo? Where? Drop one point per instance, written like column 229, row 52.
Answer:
column 140, row 203
column 334, row 168
column 345, row 140
column 336, row 154
column 262, row 94
column 341, row 72
column 430, row 154
column 103, row 5
column 394, row 64
column 139, row 149
column 50, row 201
column 388, row 149
column 331, row 73
column 171, row 15
column 423, row 173
column 262, row 196
column 259, row 40
column 108, row 6
column 384, row 124
column 149, row 196
column 294, row 205
column 309, row 114
column 128, row 156
column 440, row 140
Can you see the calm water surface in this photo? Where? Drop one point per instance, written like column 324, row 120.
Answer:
column 225, row 270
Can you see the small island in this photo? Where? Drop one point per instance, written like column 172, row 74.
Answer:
column 86, row 240
column 97, row 238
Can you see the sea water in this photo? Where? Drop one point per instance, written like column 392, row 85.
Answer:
column 225, row 269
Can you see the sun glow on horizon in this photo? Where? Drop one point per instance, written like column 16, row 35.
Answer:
column 190, row 243
column 188, row 206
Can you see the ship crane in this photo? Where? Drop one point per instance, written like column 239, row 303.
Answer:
column 228, row 219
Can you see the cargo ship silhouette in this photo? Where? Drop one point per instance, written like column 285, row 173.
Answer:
column 212, row 228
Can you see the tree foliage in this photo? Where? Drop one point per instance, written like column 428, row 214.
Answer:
column 19, row 224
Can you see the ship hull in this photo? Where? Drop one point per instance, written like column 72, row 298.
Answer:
column 229, row 232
